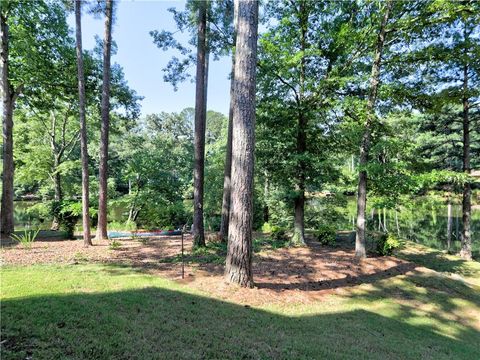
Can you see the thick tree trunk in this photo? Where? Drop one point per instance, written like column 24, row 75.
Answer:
column 7, row 225
column 87, row 241
column 199, row 135
column 238, row 268
column 360, row 251
column 466, row 250
column 103, row 167
column 228, row 165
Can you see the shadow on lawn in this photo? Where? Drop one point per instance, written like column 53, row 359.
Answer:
column 156, row 323
column 438, row 261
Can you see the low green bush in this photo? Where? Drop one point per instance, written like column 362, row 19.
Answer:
column 68, row 212
column 27, row 238
column 266, row 228
column 115, row 245
column 326, row 234
column 278, row 233
column 386, row 243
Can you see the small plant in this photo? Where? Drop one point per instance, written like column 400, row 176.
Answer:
column 27, row 238
column 115, row 245
column 386, row 243
column 326, row 235
column 266, row 228
column 79, row 257
column 278, row 233
column 134, row 236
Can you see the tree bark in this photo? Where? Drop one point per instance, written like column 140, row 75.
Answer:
column 87, row 241
column 449, row 224
column 228, row 165
column 7, row 223
column 299, row 202
column 199, row 135
column 466, row 249
column 103, row 166
column 360, row 251
column 238, row 268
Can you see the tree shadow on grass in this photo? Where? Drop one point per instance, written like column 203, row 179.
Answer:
column 439, row 261
column 158, row 323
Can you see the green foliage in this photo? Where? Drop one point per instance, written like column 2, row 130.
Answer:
column 326, row 235
column 266, row 228
column 27, row 238
column 279, row 233
column 126, row 226
column 386, row 243
column 67, row 212
column 115, row 245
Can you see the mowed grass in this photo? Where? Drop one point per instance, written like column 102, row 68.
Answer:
column 110, row 312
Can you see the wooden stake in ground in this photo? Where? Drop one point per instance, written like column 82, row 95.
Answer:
column 238, row 267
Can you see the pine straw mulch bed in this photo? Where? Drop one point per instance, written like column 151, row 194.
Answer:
column 300, row 274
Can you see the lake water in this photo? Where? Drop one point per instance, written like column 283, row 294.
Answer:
column 424, row 221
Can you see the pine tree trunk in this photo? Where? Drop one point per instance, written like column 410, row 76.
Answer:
column 103, row 166
column 466, row 250
column 360, row 251
column 238, row 268
column 299, row 202
column 87, row 241
column 228, row 165
column 7, row 224
column 199, row 135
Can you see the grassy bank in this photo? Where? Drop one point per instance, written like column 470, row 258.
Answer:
column 98, row 311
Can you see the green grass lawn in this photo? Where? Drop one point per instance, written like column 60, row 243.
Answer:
column 111, row 312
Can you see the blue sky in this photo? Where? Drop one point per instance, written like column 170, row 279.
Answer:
column 143, row 62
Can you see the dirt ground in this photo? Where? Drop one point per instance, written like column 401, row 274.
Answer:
column 300, row 274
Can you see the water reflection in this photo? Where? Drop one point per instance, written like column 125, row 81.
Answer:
column 425, row 221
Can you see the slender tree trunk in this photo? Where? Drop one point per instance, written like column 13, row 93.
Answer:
column 238, row 268
column 103, row 167
column 57, row 185
column 7, row 224
column 228, row 165
column 87, row 241
column 396, row 222
column 385, row 220
column 466, row 250
column 200, row 120
column 449, row 224
column 360, row 251
column 266, row 190
column 299, row 202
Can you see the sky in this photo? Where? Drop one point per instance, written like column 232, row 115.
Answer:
column 143, row 62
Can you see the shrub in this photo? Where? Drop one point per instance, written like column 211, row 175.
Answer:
column 68, row 212
column 386, row 243
column 326, row 234
column 115, row 245
column 27, row 238
column 266, row 228
column 278, row 233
